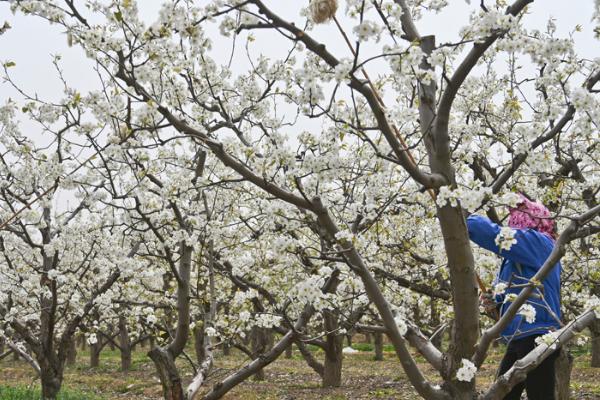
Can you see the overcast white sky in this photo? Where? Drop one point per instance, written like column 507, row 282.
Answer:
column 31, row 41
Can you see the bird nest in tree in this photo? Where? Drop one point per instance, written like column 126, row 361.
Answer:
column 322, row 10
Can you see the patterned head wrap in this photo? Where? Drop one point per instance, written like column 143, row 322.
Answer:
column 533, row 215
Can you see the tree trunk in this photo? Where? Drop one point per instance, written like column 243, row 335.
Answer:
column 461, row 263
column 72, row 352
column 562, row 367
column 164, row 357
column 368, row 338
column 260, row 343
column 95, row 350
column 222, row 387
column 50, row 386
column 199, row 343
column 270, row 339
column 435, row 321
column 124, row 344
column 125, row 359
column 595, row 330
column 168, row 374
column 110, row 342
column 332, row 375
column 51, row 377
column 310, row 359
column 289, row 351
column 378, row 346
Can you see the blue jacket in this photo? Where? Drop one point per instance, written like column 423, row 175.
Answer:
column 523, row 259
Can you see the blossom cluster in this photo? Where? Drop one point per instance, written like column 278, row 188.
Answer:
column 467, row 371
column 506, row 238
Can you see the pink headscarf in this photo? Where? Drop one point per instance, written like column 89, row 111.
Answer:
column 534, row 215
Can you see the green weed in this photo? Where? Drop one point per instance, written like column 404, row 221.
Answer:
column 25, row 393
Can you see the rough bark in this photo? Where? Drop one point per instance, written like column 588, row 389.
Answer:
column 111, row 343
column 199, row 342
column 461, row 264
column 378, row 346
column 164, row 357
column 51, row 367
column 51, row 383
column 310, row 359
column 167, row 373
column 595, row 330
column 72, row 352
column 289, row 352
column 332, row 373
column 51, row 376
column 260, row 342
column 95, row 350
column 562, row 367
column 436, row 321
column 124, row 344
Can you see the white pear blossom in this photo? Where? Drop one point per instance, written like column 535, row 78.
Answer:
column 342, row 70
column 92, row 339
column 593, row 303
column 499, row 288
column 467, row 371
column 506, row 238
column 367, row 30
column 401, row 324
column 549, row 339
column 510, row 297
column 527, row 311
column 210, row 332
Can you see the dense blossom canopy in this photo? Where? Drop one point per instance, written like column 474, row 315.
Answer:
column 307, row 171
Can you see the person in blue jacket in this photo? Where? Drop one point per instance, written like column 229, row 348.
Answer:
column 524, row 249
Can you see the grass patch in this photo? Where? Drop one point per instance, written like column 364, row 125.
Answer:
column 386, row 393
column 362, row 346
column 25, row 393
column 370, row 347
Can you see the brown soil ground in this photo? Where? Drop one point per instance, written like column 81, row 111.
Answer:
column 289, row 379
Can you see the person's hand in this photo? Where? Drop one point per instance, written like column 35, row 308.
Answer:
column 488, row 302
